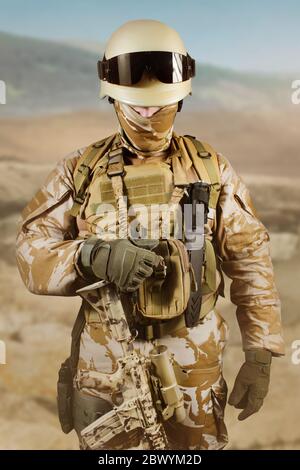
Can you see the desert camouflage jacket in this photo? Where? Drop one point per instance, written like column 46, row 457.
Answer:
column 49, row 240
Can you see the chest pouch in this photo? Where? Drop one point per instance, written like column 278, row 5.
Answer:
column 166, row 293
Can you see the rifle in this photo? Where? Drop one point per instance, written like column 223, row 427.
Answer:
column 143, row 391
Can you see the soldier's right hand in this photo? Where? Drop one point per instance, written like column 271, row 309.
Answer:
column 119, row 261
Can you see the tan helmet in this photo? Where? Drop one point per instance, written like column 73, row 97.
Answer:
column 146, row 64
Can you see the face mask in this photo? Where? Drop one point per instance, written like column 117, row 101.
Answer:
column 147, row 134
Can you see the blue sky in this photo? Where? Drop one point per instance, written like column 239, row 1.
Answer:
column 249, row 35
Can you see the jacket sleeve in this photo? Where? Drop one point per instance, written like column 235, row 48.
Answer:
column 46, row 243
column 243, row 245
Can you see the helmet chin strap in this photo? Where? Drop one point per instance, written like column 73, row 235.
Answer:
column 180, row 103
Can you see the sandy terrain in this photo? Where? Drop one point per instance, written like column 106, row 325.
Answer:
column 260, row 143
column 36, row 329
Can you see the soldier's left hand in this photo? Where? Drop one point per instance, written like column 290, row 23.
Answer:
column 252, row 382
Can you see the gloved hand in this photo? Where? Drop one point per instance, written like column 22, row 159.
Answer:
column 118, row 261
column 252, row 382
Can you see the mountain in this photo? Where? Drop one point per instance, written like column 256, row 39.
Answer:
column 216, row 87
column 45, row 76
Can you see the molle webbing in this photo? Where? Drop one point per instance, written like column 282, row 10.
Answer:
column 206, row 166
column 115, row 171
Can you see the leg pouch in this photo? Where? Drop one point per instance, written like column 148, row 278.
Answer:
column 86, row 409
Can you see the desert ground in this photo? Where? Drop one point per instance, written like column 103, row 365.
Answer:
column 264, row 148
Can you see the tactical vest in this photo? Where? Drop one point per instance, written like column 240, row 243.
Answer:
column 101, row 177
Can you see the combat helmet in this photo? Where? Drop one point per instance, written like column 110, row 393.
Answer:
column 145, row 64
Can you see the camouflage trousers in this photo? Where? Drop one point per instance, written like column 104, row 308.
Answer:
column 197, row 354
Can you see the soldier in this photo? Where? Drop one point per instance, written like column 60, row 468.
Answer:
column 62, row 246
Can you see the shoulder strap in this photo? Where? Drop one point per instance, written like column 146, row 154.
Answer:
column 206, row 166
column 83, row 170
column 115, row 171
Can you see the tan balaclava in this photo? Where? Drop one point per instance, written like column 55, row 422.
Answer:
column 146, row 136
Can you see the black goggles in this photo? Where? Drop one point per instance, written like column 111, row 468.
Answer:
column 127, row 69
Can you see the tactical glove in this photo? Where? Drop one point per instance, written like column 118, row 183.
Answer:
column 252, row 382
column 119, row 261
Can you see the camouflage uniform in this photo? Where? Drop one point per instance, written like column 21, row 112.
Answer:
column 48, row 246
